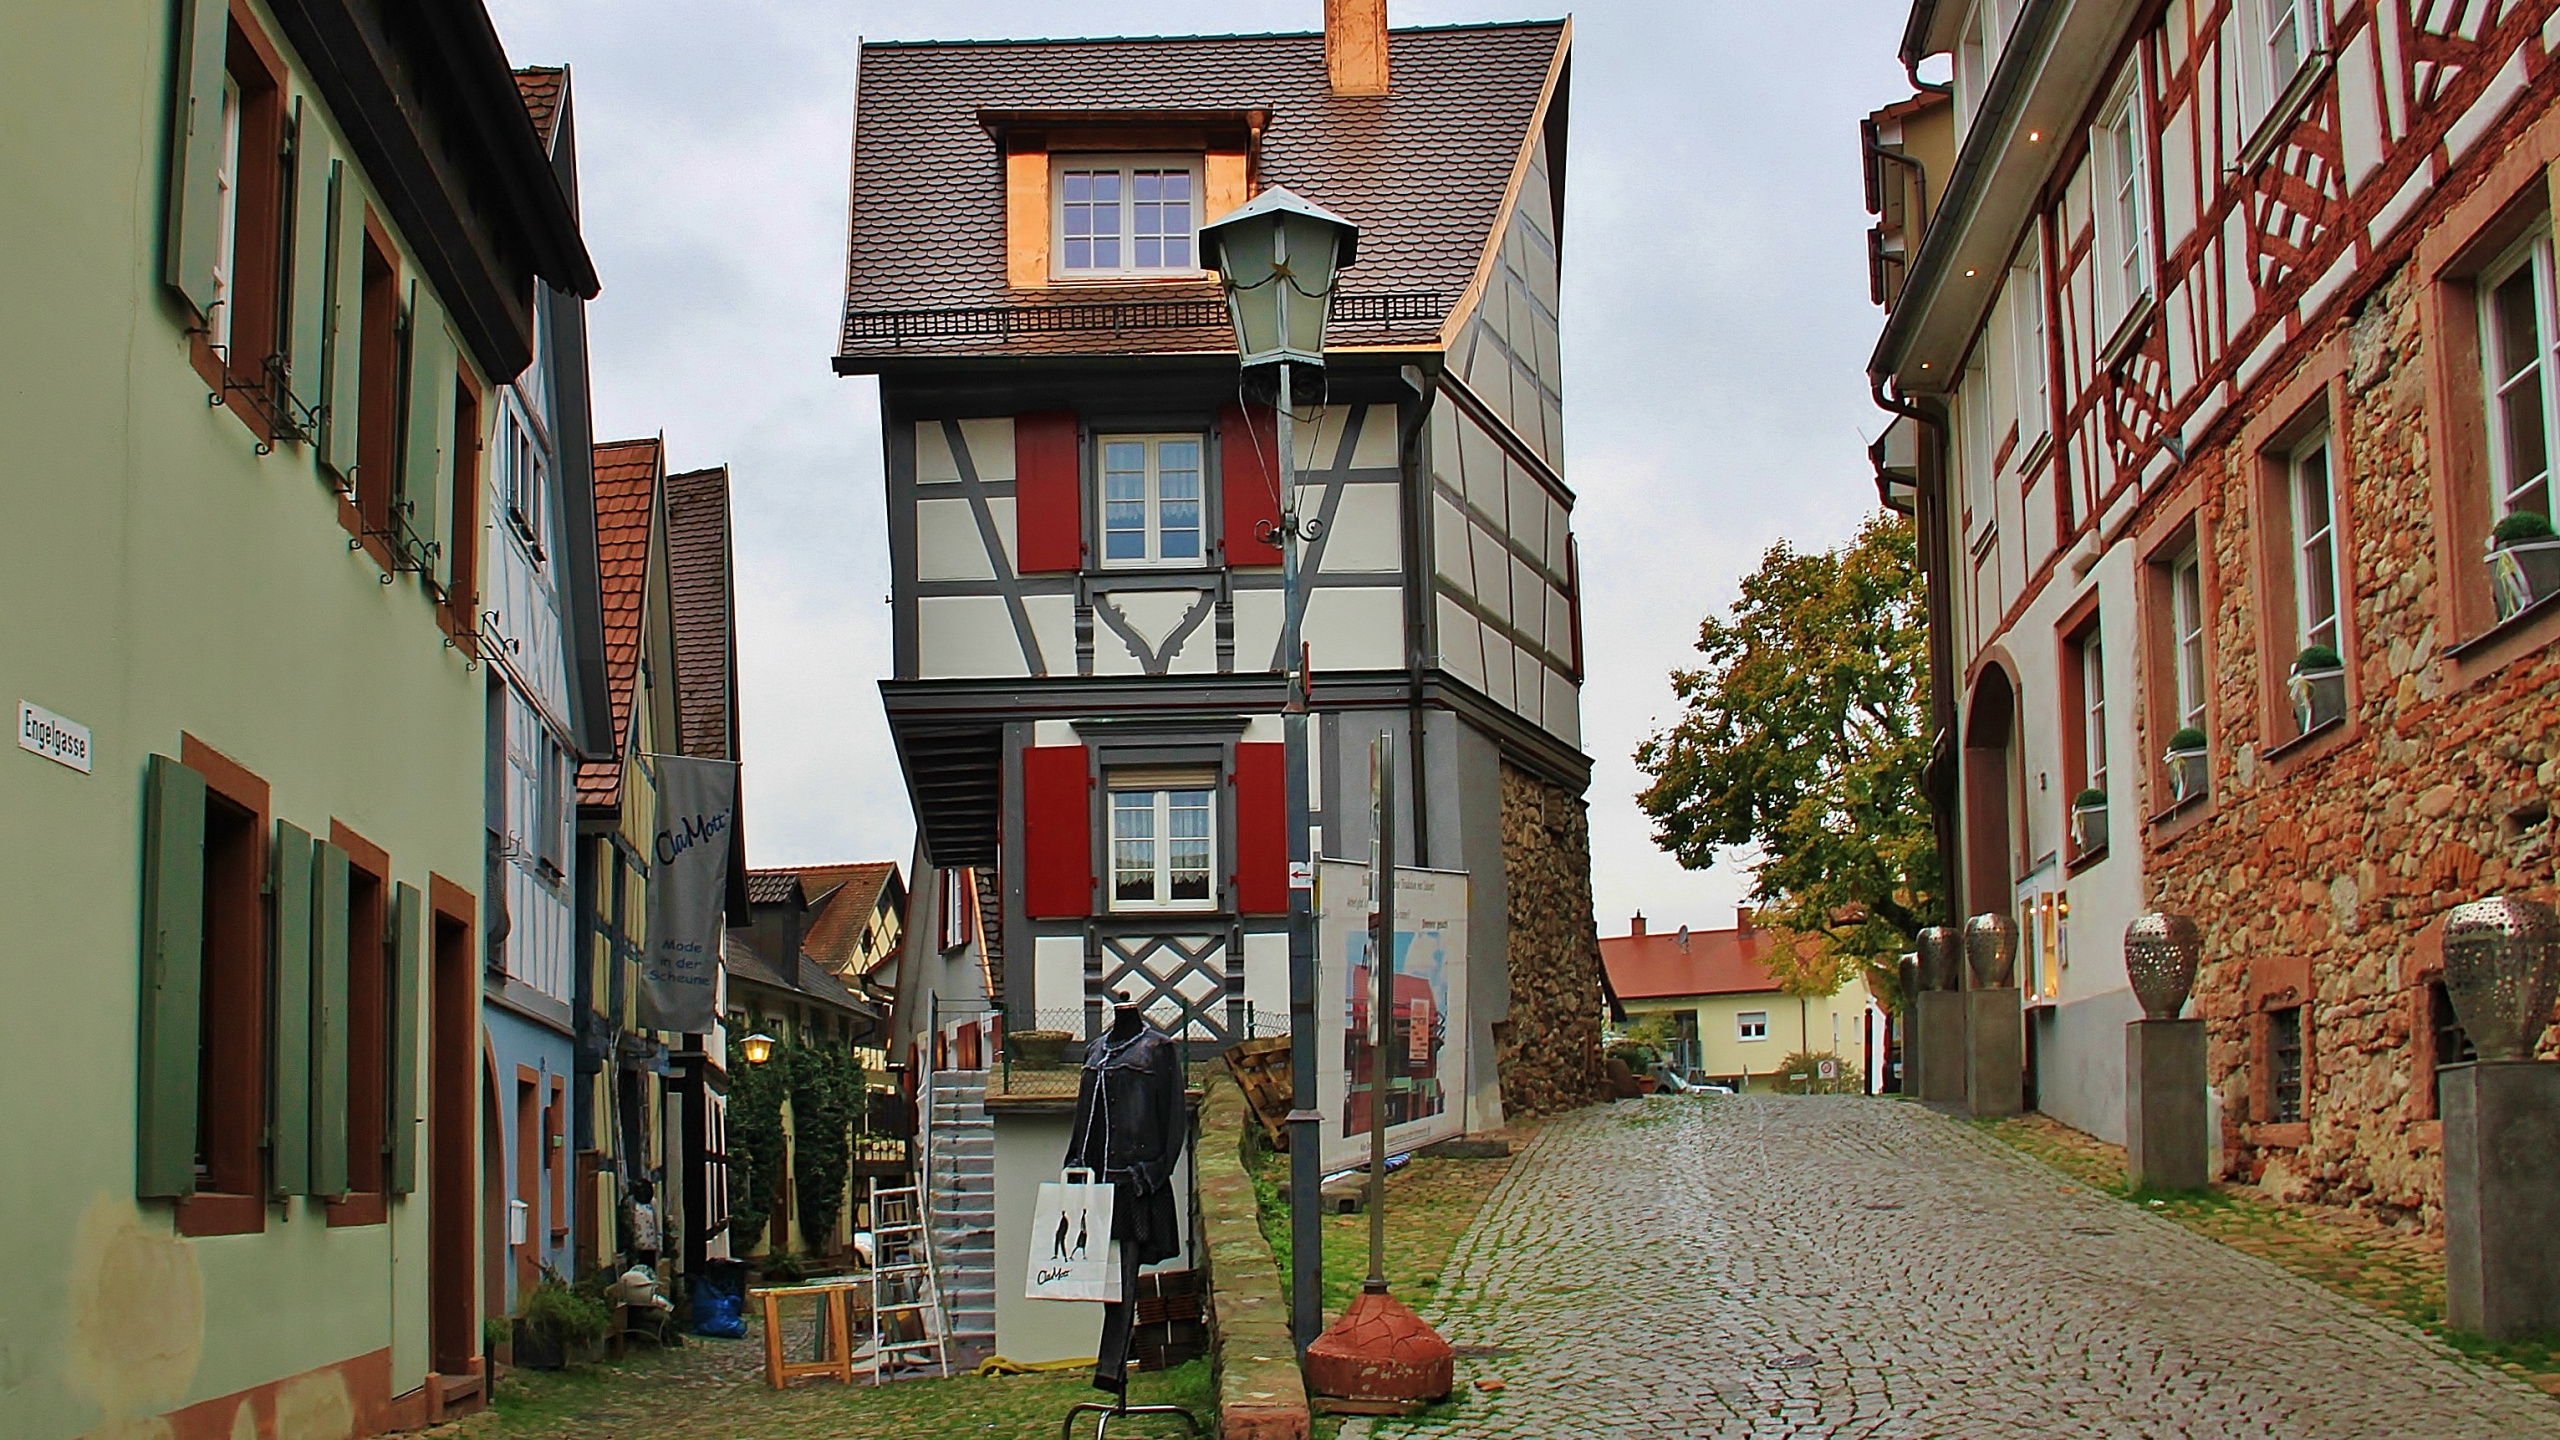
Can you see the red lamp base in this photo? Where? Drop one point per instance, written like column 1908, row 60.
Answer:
column 1380, row 1350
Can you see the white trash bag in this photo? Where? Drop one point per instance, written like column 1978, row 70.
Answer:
column 1073, row 1256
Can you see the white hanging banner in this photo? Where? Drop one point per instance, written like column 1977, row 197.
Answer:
column 688, row 892
column 1428, row 1022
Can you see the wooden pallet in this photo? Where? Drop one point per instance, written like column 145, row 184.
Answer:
column 1261, row 1068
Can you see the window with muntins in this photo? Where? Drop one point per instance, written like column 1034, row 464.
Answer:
column 2186, row 633
column 1751, row 1025
column 1135, row 217
column 2026, row 333
column 2123, row 215
column 1151, row 512
column 2517, row 336
column 2093, row 709
column 2315, row 545
column 1163, row 839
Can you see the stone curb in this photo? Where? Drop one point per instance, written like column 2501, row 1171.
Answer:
column 1261, row 1395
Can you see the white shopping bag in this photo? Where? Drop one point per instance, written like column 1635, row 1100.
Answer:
column 1073, row 1256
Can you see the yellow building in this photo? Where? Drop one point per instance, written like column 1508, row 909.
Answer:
column 1731, row 1019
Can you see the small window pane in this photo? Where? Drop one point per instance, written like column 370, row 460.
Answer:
column 1187, row 829
column 1178, row 495
column 1133, row 847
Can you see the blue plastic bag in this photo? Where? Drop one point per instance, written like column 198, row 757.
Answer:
column 720, row 1301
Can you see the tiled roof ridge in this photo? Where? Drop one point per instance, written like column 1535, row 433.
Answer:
column 1392, row 33
column 627, row 473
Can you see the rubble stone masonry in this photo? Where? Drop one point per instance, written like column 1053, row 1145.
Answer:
column 2321, row 871
column 1549, row 1050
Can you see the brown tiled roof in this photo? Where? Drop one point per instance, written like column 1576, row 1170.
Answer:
column 699, row 573
column 842, row 898
column 745, row 962
column 541, row 86
column 627, row 474
column 1711, row 962
column 772, row 887
column 1422, row 170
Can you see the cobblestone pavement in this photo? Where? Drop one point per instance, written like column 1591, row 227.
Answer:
column 1765, row 1266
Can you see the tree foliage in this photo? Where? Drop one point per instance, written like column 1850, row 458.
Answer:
column 1799, row 750
column 756, row 1142
column 826, row 1106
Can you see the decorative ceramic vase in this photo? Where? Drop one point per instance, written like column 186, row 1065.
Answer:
column 2161, row 952
column 1991, row 950
column 2501, row 964
column 1939, row 956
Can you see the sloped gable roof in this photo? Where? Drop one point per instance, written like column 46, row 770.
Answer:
column 1422, row 170
column 627, row 477
column 842, row 900
column 1714, row 962
column 700, row 575
column 541, row 87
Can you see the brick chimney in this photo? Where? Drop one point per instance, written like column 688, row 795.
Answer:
column 1742, row 920
column 1355, row 48
column 1635, row 927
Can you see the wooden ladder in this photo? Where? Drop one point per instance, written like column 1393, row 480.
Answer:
column 904, row 1287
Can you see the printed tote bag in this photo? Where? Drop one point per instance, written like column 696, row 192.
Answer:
column 1073, row 1256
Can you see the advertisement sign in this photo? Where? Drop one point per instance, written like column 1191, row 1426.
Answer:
column 688, row 890
column 1426, row 1025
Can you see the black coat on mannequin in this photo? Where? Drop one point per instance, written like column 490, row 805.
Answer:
column 1131, row 1125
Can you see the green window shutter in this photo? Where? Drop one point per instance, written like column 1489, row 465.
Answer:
column 342, row 364
column 289, row 1086
column 328, row 1020
column 306, row 360
column 172, row 978
column 400, row 1133
column 194, row 240
column 425, row 489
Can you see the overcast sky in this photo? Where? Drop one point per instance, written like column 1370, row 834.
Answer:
column 1716, row 328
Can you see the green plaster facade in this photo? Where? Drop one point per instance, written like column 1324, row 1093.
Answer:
column 163, row 578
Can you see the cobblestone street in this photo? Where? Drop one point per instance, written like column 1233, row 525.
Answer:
column 1764, row 1267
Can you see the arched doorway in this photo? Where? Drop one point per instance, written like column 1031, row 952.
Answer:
column 1990, row 742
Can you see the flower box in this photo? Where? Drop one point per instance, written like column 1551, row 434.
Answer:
column 2088, row 825
column 2188, row 769
column 1038, row 1049
column 2319, row 696
column 2524, row 573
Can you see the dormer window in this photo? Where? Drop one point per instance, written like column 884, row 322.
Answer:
column 1126, row 216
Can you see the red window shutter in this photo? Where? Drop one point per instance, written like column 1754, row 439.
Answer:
column 1262, row 830
column 1048, row 516
column 1057, row 832
column 1249, row 464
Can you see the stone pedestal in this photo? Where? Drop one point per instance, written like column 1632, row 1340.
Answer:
column 2166, row 1143
column 1995, row 1049
column 2502, row 1197
column 1937, row 1049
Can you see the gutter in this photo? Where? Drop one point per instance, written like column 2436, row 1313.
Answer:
column 1987, row 133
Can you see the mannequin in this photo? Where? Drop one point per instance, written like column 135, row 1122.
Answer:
column 1130, row 1129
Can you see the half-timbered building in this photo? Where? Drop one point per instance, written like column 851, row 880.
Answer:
column 2225, row 346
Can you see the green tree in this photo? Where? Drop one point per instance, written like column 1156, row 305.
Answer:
column 826, row 1104
column 756, row 1142
column 1799, row 749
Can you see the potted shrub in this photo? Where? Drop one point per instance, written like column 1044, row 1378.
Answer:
column 2319, row 687
column 2524, row 561
column 559, row 1325
column 1037, row 1049
column 2089, row 822
column 2186, row 761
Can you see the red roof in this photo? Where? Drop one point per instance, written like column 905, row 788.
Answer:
column 842, row 900
column 706, row 629
column 627, row 478
column 1713, row 962
column 540, row 85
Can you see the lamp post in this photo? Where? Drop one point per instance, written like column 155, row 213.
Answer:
column 1277, row 257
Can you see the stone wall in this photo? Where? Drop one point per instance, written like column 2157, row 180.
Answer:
column 1549, row 1050
column 1260, row 1394
column 2322, row 880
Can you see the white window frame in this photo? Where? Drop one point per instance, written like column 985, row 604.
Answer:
column 2315, row 547
column 1127, row 167
column 2538, row 378
column 2119, row 144
column 1982, row 496
column 2263, row 75
column 2092, row 660
column 2027, row 343
column 526, row 476
column 1160, row 806
column 2186, row 637
column 1746, row 1022
column 1153, row 501
column 226, row 210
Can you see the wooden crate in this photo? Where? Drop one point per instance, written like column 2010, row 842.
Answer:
column 1261, row 1068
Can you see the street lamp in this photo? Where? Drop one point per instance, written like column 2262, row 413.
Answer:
column 1277, row 257
column 759, row 1048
